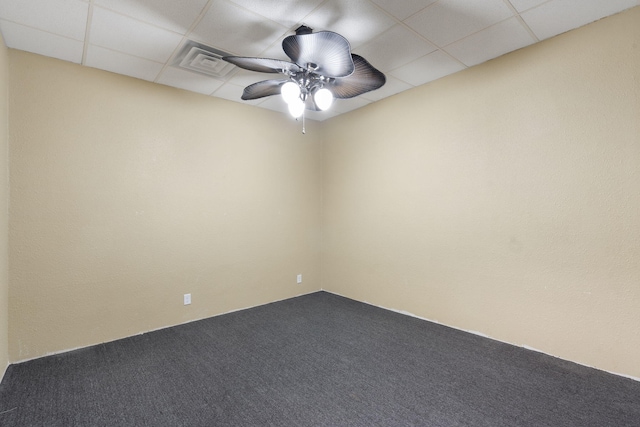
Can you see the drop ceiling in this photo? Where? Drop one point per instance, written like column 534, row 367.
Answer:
column 412, row 41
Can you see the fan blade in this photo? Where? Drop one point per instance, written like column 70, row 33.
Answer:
column 262, row 89
column 327, row 50
column 365, row 78
column 263, row 65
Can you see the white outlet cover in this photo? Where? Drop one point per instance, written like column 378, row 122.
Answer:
column 299, row 278
column 187, row 299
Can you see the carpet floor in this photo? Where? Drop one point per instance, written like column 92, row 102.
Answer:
column 315, row 360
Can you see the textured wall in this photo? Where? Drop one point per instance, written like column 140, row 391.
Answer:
column 125, row 195
column 504, row 199
column 4, row 208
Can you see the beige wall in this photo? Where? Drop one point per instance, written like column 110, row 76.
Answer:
column 4, row 208
column 125, row 195
column 504, row 199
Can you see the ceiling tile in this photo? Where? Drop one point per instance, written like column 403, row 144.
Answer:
column 346, row 105
column 358, row 21
column 276, row 103
column 522, row 5
column 450, row 20
column 66, row 18
column 411, row 41
column 173, row 15
column 236, row 30
column 190, row 81
column 391, row 87
column 394, row 48
column 122, row 63
column 234, row 93
column 288, row 13
column 127, row 35
column 320, row 116
column 428, row 68
column 559, row 16
column 275, row 51
column 18, row 36
column 403, row 9
column 496, row 40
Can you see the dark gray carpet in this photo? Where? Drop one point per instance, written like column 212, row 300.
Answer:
column 316, row 360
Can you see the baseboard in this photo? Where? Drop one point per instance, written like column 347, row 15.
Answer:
column 2, row 372
column 53, row 353
column 526, row 347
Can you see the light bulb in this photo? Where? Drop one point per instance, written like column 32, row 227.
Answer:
column 323, row 99
column 296, row 107
column 290, row 92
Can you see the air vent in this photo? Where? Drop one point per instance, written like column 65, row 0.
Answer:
column 202, row 59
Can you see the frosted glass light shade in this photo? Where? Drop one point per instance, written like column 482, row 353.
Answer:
column 290, row 92
column 323, row 99
column 296, row 107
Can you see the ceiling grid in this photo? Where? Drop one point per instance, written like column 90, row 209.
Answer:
column 413, row 42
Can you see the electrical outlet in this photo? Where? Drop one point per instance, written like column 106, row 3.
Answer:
column 299, row 278
column 187, row 299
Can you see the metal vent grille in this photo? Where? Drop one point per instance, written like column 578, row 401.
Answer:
column 203, row 59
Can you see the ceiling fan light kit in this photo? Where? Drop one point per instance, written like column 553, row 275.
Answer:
column 322, row 68
column 323, row 98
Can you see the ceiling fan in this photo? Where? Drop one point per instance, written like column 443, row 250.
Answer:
column 322, row 68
